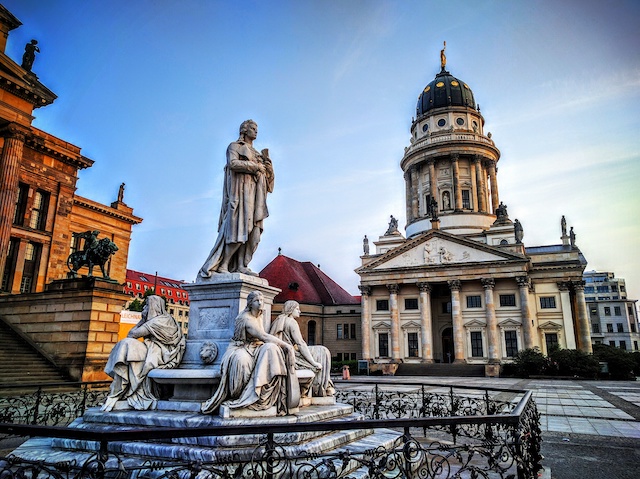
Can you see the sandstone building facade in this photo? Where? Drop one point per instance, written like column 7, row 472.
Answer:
column 462, row 286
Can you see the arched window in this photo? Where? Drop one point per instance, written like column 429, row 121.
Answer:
column 311, row 333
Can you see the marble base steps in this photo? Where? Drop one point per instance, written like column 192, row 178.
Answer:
column 441, row 369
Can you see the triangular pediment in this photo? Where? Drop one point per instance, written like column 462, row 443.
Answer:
column 435, row 249
column 509, row 323
column 476, row 323
column 550, row 326
column 410, row 324
column 382, row 325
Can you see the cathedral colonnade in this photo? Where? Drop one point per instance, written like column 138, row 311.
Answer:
column 487, row 320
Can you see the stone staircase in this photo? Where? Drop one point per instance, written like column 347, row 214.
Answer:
column 441, row 370
column 21, row 363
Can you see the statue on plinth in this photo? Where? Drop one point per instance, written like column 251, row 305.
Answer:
column 94, row 252
column 563, row 226
column 518, row 231
column 365, row 245
column 29, row 55
column 315, row 358
column 393, row 227
column 572, row 237
column 131, row 361
column 248, row 179
column 258, row 369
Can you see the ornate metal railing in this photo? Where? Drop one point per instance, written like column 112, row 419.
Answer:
column 502, row 439
column 48, row 404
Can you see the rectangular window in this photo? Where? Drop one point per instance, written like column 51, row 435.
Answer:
column 345, row 329
column 547, row 302
column 339, row 333
column 507, row 300
column 21, row 204
column 635, row 345
column 476, row 344
column 383, row 345
column 595, row 327
column 551, row 340
column 382, row 305
column 623, row 345
column 609, row 328
column 622, row 288
column 511, row 343
column 30, row 268
column 589, row 289
column 617, row 311
column 474, row 302
column 607, row 311
column 180, row 312
column 339, row 356
column 612, row 344
column 39, row 211
column 427, row 202
column 353, row 331
column 602, row 289
column 633, row 327
column 10, row 265
column 614, row 288
column 466, row 200
column 413, row 344
column 446, row 307
column 353, row 356
column 411, row 303
column 137, row 286
column 630, row 311
column 593, row 310
column 620, row 328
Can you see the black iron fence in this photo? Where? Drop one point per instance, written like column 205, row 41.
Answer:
column 435, row 433
column 54, row 404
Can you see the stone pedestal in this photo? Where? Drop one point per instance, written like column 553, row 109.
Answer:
column 74, row 323
column 214, row 305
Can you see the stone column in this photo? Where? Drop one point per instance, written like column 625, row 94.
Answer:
column 584, row 342
column 407, row 182
column 495, row 197
column 492, row 322
column 14, row 136
column 456, row 182
column 480, row 184
column 524, row 284
column 474, row 186
column 365, row 292
column 567, row 316
column 425, row 322
column 433, row 184
column 456, row 316
column 395, row 320
column 415, row 204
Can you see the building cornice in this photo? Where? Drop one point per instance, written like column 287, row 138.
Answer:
column 106, row 210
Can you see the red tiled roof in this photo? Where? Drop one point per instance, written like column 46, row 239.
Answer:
column 304, row 283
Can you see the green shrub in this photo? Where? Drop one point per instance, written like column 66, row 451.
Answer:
column 622, row 364
column 571, row 362
column 526, row 363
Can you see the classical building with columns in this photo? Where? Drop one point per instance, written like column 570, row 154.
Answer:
column 462, row 286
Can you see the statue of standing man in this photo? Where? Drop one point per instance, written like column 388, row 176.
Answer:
column 248, row 178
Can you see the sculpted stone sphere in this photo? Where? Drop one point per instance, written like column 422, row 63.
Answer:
column 248, row 179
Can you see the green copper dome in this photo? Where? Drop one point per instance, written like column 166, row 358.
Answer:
column 444, row 91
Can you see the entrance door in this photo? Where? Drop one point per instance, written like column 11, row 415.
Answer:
column 448, row 355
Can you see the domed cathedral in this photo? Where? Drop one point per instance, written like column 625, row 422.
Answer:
column 461, row 286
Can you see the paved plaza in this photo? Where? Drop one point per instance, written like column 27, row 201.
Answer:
column 599, row 408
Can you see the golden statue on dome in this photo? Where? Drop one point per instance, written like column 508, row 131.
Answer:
column 443, row 58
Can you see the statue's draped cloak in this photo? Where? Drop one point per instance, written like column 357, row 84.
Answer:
column 244, row 205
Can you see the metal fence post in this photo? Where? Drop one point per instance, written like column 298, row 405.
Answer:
column 37, row 405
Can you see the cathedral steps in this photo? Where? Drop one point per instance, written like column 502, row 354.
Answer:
column 441, row 370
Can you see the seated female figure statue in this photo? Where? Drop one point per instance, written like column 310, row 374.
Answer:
column 131, row 360
column 315, row 358
column 257, row 369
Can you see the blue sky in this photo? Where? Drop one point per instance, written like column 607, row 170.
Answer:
column 154, row 91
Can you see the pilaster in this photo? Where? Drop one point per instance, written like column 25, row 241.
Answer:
column 433, row 190
column 495, row 197
column 583, row 319
column 415, row 213
column 480, row 184
column 456, row 182
column 524, row 284
column 567, row 318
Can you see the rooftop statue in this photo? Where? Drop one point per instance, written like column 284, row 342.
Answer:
column 248, row 179
column 94, row 252
column 131, row 361
column 365, row 245
column 518, row 231
column 121, row 193
column 258, row 369
column 443, row 58
column 315, row 358
column 29, row 55
column 393, row 227
column 563, row 226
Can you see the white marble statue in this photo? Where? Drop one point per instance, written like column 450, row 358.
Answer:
column 248, row 178
column 131, row 360
column 315, row 358
column 258, row 369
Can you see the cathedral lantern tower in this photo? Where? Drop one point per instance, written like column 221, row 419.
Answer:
column 450, row 166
